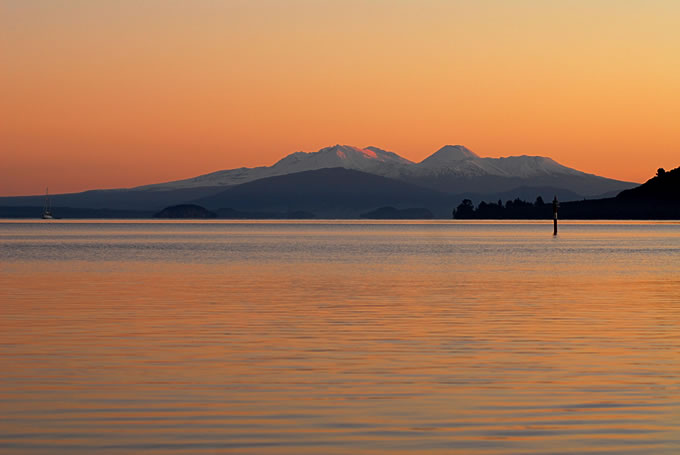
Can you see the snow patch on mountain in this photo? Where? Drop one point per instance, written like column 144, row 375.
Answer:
column 456, row 160
column 459, row 161
column 530, row 166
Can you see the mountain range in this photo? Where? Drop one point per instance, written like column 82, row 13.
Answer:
column 344, row 181
column 451, row 169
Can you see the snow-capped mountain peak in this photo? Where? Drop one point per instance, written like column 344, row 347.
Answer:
column 456, row 160
column 448, row 154
column 347, row 156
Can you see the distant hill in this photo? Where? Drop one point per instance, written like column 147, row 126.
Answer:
column 333, row 193
column 124, row 199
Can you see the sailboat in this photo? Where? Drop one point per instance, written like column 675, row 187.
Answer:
column 47, row 209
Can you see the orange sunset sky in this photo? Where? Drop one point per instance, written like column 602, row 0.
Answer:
column 107, row 94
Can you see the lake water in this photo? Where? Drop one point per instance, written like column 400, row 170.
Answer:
column 339, row 337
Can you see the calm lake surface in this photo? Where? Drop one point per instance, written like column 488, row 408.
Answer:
column 339, row 337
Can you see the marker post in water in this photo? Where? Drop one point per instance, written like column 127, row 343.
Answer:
column 556, row 205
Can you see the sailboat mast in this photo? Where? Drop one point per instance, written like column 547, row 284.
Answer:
column 47, row 210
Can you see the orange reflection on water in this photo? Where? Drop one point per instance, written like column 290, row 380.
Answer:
column 360, row 339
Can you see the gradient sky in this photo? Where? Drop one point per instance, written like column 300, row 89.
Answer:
column 106, row 94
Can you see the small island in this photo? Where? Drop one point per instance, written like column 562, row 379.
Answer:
column 391, row 213
column 185, row 211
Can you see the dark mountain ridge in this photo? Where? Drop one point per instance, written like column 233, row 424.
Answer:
column 332, row 192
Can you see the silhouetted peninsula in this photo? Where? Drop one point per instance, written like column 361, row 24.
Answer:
column 665, row 186
column 185, row 211
column 658, row 198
